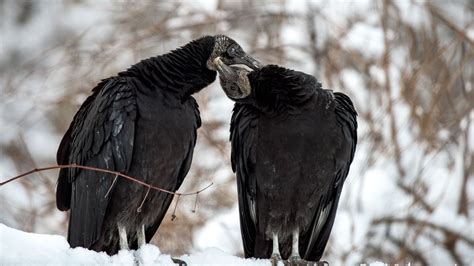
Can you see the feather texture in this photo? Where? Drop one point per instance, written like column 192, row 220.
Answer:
column 143, row 123
column 292, row 146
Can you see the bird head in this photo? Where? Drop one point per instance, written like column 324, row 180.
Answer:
column 234, row 80
column 269, row 88
column 230, row 53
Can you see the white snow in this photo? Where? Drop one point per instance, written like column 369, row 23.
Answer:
column 22, row 248
column 18, row 247
column 215, row 256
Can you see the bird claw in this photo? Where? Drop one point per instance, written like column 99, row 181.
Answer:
column 179, row 262
column 297, row 261
column 275, row 258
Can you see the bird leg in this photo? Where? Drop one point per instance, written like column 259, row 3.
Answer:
column 276, row 257
column 123, row 242
column 295, row 258
column 295, row 254
column 141, row 236
column 179, row 262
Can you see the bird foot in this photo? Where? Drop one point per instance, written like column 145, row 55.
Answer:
column 275, row 258
column 179, row 262
column 297, row 261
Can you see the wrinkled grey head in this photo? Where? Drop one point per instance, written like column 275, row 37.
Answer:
column 234, row 80
column 230, row 53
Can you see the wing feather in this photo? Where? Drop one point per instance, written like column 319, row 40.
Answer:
column 100, row 135
column 183, row 171
column 244, row 130
column 315, row 240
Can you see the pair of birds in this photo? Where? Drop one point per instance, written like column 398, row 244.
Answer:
column 292, row 145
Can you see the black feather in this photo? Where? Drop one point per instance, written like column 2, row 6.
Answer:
column 292, row 146
column 142, row 123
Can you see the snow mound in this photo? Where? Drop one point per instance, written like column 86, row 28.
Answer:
column 22, row 248
column 18, row 247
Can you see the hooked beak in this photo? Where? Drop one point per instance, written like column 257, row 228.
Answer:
column 248, row 61
column 234, row 80
column 225, row 72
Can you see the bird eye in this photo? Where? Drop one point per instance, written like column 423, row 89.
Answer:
column 232, row 51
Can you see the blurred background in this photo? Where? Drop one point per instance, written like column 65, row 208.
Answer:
column 407, row 65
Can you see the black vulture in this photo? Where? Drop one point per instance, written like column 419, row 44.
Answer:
column 292, row 146
column 141, row 122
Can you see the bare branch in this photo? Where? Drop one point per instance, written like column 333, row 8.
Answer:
column 414, row 221
column 103, row 171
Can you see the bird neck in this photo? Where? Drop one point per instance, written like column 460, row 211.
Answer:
column 181, row 72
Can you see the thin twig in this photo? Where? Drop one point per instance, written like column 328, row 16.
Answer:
column 110, row 188
column 139, row 209
column 195, row 203
column 173, row 216
column 103, row 171
column 411, row 221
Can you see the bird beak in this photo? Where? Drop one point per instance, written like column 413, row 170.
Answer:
column 248, row 61
column 225, row 71
column 234, row 80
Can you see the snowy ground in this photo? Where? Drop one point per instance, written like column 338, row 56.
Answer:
column 22, row 248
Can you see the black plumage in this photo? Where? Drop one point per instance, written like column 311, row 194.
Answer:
column 292, row 146
column 143, row 123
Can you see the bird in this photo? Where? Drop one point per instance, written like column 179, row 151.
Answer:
column 141, row 122
column 292, row 144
